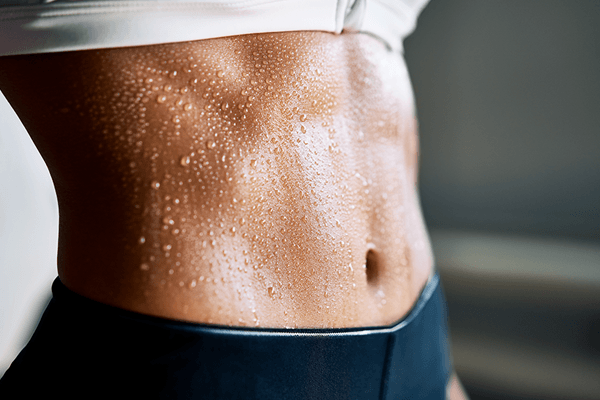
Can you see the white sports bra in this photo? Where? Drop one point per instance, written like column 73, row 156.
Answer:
column 41, row 26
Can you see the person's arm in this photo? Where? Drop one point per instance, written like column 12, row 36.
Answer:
column 454, row 390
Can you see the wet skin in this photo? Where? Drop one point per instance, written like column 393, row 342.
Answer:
column 262, row 180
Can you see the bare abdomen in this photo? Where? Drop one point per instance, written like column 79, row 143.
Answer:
column 262, row 180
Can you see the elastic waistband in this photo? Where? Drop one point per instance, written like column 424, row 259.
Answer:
column 85, row 344
column 81, row 304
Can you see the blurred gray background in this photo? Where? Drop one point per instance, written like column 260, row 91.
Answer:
column 508, row 98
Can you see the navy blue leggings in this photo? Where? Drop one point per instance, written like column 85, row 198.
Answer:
column 83, row 349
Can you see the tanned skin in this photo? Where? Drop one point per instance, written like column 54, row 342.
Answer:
column 263, row 180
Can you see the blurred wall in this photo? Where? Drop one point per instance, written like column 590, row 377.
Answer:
column 508, row 98
column 28, row 235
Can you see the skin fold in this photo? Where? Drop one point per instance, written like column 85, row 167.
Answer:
column 261, row 180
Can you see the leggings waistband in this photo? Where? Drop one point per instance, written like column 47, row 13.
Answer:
column 84, row 348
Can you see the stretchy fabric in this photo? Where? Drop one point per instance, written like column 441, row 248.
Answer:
column 84, row 349
column 40, row 26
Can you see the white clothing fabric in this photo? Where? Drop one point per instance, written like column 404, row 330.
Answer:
column 41, row 26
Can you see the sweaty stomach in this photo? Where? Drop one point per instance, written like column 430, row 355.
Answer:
column 261, row 180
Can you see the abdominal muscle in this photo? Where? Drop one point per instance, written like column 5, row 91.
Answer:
column 261, row 180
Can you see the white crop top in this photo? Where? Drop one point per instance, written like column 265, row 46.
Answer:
column 41, row 26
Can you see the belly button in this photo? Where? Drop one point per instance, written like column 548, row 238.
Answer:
column 373, row 267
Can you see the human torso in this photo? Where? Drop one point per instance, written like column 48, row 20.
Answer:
column 260, row 180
